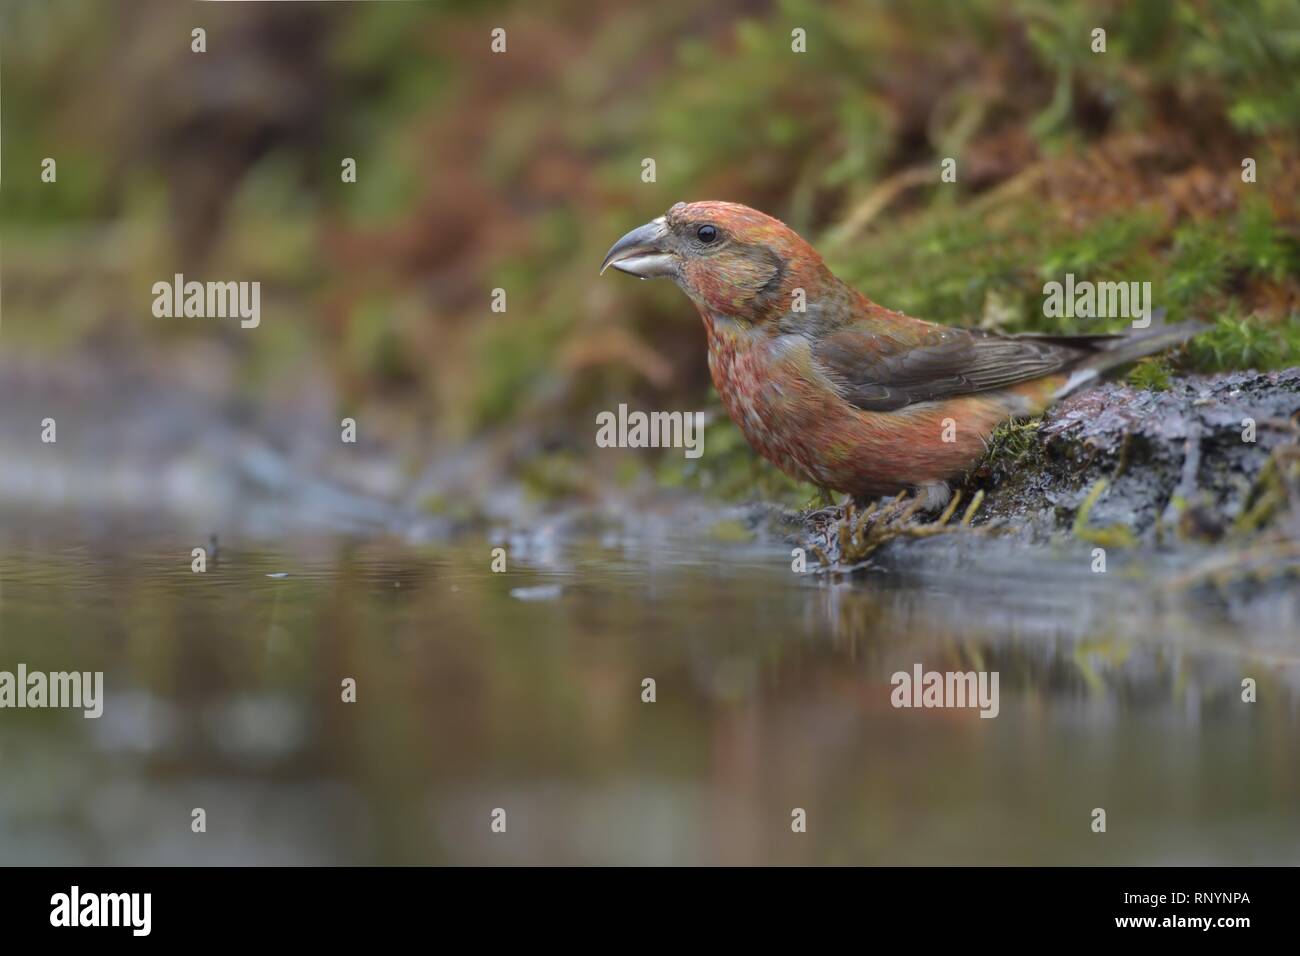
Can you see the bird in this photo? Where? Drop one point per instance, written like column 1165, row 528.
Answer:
column 838, row 390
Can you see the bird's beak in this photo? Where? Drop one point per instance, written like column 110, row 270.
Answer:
column 641, row 252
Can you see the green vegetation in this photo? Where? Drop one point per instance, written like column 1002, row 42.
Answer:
column 1012, row 446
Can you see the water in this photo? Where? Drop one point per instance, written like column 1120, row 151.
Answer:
column 523, row 691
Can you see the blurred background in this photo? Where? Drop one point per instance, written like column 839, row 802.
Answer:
column 478, row 171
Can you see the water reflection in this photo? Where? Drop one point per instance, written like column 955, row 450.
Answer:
column 523, row 691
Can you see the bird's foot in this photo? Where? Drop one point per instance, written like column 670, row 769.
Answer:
column 867, row 525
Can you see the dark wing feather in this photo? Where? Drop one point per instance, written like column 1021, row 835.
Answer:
column 880, row 372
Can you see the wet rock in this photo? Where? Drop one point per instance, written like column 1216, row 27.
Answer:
column 1162, row 455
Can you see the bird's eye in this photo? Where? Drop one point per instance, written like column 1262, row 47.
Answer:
column 706, row 233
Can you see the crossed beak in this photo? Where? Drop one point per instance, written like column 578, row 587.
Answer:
column 642, row 252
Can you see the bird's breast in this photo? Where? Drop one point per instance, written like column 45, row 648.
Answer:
column 769, row 389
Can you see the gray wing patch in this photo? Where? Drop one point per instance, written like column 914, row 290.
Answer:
column 878, row 373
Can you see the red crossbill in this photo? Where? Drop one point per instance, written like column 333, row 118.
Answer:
column 837, row 390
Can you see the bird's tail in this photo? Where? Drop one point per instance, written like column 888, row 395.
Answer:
column 1126, row 349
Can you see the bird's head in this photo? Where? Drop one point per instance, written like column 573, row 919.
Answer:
column 731, row 260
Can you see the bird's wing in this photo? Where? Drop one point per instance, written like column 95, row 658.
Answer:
column 886, row 367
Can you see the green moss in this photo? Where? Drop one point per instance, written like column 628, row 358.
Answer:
column 1105, row 244
column 1012, row 444
column 1200, row 263
column 1237, row 342
column 1151, row 374
column 1248, row 51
